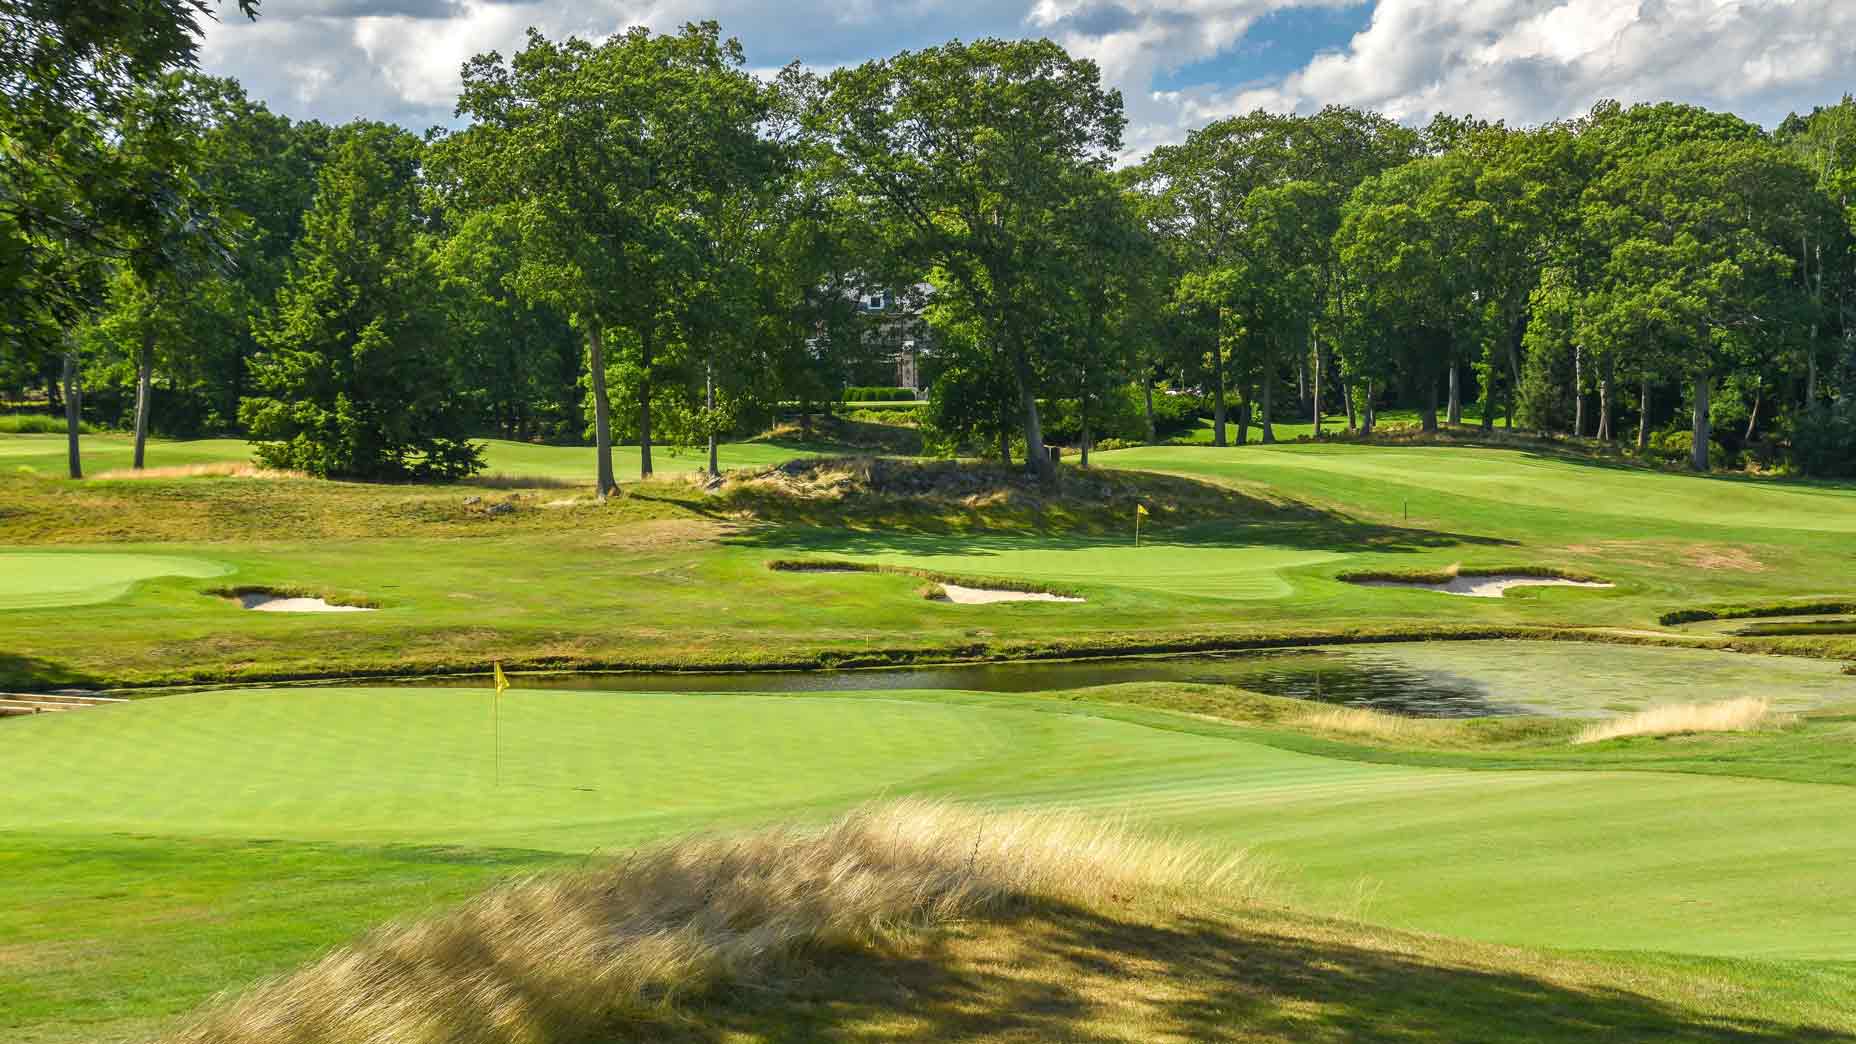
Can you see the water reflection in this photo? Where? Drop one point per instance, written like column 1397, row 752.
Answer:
column 1353, row 677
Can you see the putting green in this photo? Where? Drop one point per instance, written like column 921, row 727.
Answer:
column 1637, row 861
column 1512, row 478
column 46, row 579
column 1208, row 571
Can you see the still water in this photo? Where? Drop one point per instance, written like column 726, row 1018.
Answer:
column 1423, row 679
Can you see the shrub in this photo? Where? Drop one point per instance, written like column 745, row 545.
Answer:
column 869, row 393
column 1674, row 447
column 39, row 424
column 1824, row 440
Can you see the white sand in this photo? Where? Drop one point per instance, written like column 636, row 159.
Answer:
column 269, row 603
column 982, row 596
column 1484, row 586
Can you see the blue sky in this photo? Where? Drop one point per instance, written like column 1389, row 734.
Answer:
column 1179, row 63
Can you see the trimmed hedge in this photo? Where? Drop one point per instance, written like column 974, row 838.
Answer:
column 867, row 393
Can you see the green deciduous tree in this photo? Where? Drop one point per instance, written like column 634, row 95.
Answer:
column 968, row 154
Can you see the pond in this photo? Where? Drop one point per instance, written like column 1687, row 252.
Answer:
column 1423, row 679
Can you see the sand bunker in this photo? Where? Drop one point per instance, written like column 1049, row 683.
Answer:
column 262, row 602
column 1493, row 585
column 983, row 596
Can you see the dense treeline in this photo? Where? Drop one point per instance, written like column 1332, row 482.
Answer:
column 639, row 241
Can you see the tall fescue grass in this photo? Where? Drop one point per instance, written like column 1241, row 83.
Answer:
column 1372, row 724
column 557, row 958
column 39, row 424
column 216, row 469
column 1741, row 715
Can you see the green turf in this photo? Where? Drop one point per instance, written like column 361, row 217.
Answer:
column 45, row 454
column 43, row 580
column 370, row 800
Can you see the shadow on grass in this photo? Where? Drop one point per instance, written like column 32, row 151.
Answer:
column 23, row 673
column 977, row 509
column 1078, row 976
column 1334, row 533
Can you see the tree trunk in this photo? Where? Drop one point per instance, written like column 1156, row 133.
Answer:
column 708, row 375
column 73, row 409
column 602, row 415
column 1752, row 417
column 144, row 389
column 1514, row 373
column 1082, row 409
column 1698, row 458
column 1005, row 445
column 1578, row 391
column 645, row 335
column 1455, row 414
column 1034, row 430
column 1429, row 414
column 1218, row 413
column 1301, row 379
column 1243, row 415
column 1604, row 408
column 1643, row 417
column 1353, row 416
column 1268, row 405
column 1368, row 415
column 1488, row 392
column 1147, row 392
column 1314, row 386
column 1810, row 371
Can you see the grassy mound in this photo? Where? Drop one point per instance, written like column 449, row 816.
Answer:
column 560, row 957
column 923, row 921
column 950, row 495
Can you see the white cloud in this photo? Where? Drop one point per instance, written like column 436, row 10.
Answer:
column 1529, row 61
column 1523, row 60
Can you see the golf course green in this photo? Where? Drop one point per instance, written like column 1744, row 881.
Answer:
column 178, row 845
column 32, row 580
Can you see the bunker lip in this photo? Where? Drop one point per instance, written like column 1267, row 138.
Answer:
column 265, row 600
column 958, row 589
column 1475, row 583
column 960, row 594
column 1481, row 586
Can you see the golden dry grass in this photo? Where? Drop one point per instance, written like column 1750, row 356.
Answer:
column 557, row 957
column 1741, row 715
column 1372, row 724
column 217, row 469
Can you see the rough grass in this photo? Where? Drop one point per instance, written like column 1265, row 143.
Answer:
column 1741, row 715
column 1366, row 723
column 217, row 469
column 945, row 496
column 558, row 957
column 39, row 424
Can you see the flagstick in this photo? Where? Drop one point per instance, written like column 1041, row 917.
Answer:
column 496, row 718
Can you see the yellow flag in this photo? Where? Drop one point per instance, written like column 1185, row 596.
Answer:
column 502, row 680
column 1140, row 510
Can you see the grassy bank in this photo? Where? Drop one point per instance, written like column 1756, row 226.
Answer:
column 1243, row 547
column 369, row 803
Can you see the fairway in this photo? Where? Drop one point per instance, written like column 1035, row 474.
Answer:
column 45, row 454
column 1203, row 571
column 33, row 580
column 1514, row 478
column 1491, row 855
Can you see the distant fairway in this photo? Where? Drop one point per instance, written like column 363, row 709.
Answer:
column 45, row 454
column 1504, row 856
column 1388, row 478
column 44, row 580
column 1237, row 573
